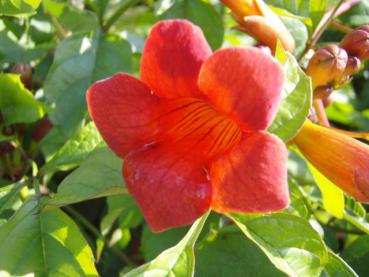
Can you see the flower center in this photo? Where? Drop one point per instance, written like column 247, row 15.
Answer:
column 197, row 129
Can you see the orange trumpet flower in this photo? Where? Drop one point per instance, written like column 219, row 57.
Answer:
column 192, row 129
column 342, row 159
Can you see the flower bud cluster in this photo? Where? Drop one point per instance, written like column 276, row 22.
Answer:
column 333, row 65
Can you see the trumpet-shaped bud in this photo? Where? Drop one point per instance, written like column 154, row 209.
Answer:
column 356, row 43
column 342, row 159
column 260, row 22
column 352, row 66
column 326, row 65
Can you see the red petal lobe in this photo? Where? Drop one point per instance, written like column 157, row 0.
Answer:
column 123, row 109
column 245, row 84
column 171, row 190
column 252, row 176
column 172, row 57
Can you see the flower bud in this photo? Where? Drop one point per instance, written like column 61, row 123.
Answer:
column 326, row 65
column 25, row 72
column 260, row 22
column 352, row 66
column 342, row 159
column 356, row 43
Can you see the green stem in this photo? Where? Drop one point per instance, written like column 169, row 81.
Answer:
column 97, row 233
column 118, row 13
column 36, row 185
column 320, row 112
column 319, row 32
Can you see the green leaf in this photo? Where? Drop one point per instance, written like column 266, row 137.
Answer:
column 79, row 61
column 317, row 8
column 357, row 15
column 296, row 101
column 100, row 175
column 18, row 7
column 357, row 255
column 230, row 254
column 8, row 193
column 12, row 52
column 176, row 261
column 202, row 14
column 17, row 104
column 290, row 242
column 76, row 20
column 75, row 150
column 43, row 244
column 337, row 267
column 121, row 208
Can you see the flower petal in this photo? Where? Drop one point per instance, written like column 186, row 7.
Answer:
column 252, row 176
column 172, row 58
column 123, row 109
column 170, row 189
column 244, row 83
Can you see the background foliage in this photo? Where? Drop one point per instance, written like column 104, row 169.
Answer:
column 64, row 209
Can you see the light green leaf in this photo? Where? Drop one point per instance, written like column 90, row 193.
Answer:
column 296, row 101
column 18, row 7
column 8, row 193
column 75, row 150
column 176, row 261
column 43, row 244
column 317, row 8
column 98, row 176
column 337, row 267
column 79, row 61
column 290, row 242
column 17, row 104
column 202, row 14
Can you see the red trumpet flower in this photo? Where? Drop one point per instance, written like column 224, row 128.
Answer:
column 192, row 130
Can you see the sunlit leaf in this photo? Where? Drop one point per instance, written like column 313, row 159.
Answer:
column 43, row 244
column 290, row 242
column 18, row 7
column 17, row 104
column 336, row 266
column 297, row 97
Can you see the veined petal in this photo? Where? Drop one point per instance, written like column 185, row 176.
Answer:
column 123, row 110
column 342, row 159
column 245, row 84
column 252, row 176
column 170, row 189
column 172, row 57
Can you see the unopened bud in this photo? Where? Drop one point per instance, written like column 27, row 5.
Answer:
column 326, row 65
column 25, row 72
column 340, row 158
column 356, row 43
column 260, row 22
column 352, row 66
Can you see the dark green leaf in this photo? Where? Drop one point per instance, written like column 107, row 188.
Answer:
column 357, row 255
column 230, row 254
column 290, row 242
column 203, row 15
column 43, row 244
column 79, row 61
column 100, row 175
column 17, row 104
